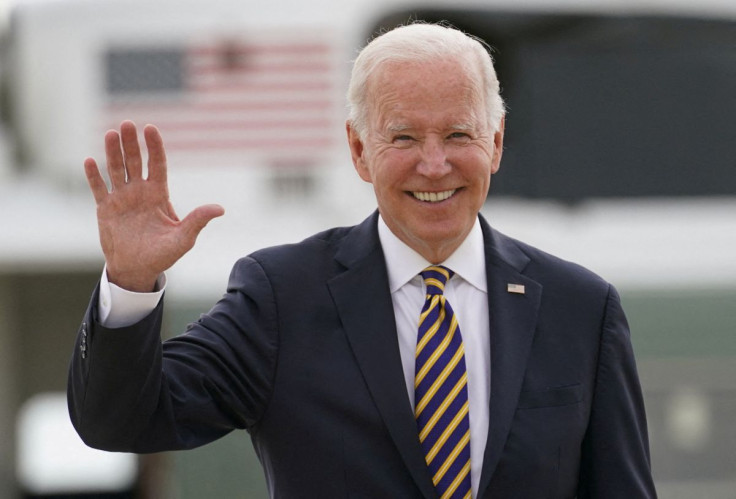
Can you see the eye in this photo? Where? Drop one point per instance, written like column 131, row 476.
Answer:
column 458, row 135
column 403, row 138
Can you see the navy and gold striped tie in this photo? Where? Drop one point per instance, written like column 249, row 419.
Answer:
column 441, row 391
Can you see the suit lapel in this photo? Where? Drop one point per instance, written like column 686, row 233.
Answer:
column 513, row 319
column 361, row 295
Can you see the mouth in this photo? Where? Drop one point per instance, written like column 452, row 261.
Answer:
column 433, row 197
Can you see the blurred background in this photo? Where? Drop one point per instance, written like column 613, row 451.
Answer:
column 620, row 154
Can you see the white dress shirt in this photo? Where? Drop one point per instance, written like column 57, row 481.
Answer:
column 118, row 307
column 466, row 292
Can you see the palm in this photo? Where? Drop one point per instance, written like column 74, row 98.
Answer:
column 140, row 234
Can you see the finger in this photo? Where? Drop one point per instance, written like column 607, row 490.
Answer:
column 94, row 179
column 131, row 150
column 114, row 157
column 156, row 154
column 199, row 218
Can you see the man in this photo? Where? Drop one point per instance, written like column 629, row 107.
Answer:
column 500, row 371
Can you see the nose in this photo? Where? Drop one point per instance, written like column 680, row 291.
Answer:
column 433, row 161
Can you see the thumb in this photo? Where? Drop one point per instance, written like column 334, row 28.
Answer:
column 199, row 218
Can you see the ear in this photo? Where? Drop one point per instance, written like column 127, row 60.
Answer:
column 356, row 152
column 498, row 146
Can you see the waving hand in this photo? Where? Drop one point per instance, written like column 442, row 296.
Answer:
column 140, row 234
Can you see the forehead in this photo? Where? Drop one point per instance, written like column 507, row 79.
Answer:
column 439, row 89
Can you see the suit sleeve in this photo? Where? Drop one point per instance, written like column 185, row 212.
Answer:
column 129, row 392
column 615, row 454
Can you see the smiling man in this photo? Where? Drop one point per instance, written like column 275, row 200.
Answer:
column 418, row 354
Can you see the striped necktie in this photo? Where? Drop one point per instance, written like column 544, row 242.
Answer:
column 441, row 391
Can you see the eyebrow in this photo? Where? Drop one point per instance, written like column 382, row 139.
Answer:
column 464, row 127
column 398, row 128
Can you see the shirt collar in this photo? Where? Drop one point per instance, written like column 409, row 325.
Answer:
column 403, row 263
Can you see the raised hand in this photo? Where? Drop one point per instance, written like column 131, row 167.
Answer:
column 140, row 234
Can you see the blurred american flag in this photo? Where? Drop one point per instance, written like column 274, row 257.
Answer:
column 267, row 99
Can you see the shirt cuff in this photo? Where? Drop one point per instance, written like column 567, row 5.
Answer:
column 118, row 307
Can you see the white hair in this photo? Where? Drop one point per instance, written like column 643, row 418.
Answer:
column 422, row 42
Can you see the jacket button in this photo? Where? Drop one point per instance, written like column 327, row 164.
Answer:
column 83, row 341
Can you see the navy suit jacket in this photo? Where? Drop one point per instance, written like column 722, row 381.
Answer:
column 302, row 352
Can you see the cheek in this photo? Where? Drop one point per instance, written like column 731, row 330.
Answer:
column 394, row 167
column 476, row 167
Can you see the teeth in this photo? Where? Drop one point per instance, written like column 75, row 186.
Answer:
column 433, row 197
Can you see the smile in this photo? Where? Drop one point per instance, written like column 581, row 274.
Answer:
column 433, row 197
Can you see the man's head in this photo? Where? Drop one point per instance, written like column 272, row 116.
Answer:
column 426, row 129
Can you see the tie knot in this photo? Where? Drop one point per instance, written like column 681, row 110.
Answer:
column 435, row 277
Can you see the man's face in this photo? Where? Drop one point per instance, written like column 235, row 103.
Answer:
column 429, row 152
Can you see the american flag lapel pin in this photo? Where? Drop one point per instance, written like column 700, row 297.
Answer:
column 515, row 288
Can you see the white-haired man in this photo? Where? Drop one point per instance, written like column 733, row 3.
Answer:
column 418, row 354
